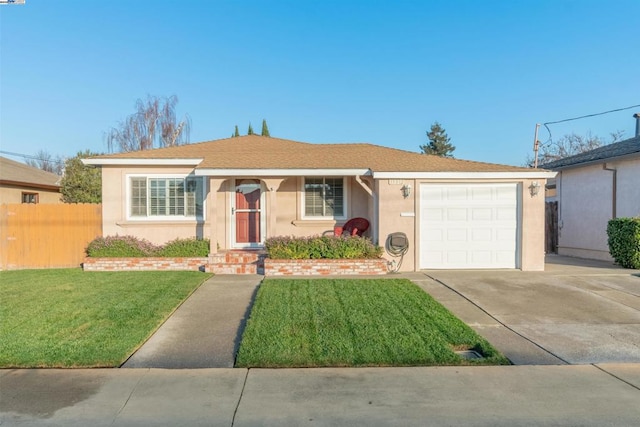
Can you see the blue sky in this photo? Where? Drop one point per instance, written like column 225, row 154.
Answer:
column 320, row 71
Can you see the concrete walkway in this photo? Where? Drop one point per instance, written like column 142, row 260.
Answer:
column 569, row 395
column 205, row 331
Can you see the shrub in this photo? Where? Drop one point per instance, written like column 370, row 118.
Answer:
column 120, row 246
column 321, row 247
column 185, row 248
column 624, row 241
column 130, row 246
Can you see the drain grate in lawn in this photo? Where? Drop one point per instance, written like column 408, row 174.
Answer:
column 355, row 322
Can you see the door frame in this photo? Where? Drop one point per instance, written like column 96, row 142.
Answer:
column 232, row 216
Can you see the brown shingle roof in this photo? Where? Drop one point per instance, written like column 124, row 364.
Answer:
column 19, row 173
column 258, row 152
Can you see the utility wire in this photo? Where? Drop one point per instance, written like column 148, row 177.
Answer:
column 26, row 156
column 584, row 117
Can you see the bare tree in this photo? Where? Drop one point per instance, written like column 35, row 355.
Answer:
column 45, row 161
column 570, row 145
column 153, row 125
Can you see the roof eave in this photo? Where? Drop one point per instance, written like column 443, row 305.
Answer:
column 142, row 162
column 31, row 185
column 533, row 174
column 595, row 162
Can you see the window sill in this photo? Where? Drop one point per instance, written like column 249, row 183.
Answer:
column 160, row 223
column 316, row 222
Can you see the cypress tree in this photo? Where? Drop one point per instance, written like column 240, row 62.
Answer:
column 236, row 133
column 265, row 128
column 250, row 130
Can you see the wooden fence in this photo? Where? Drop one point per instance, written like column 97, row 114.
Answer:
column 47, row 236
column 551, row 228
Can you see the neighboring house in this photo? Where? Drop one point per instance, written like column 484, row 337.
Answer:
column 591, row 188
column 20, row 183
column 239, row 191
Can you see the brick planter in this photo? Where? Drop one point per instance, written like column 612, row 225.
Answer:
column 324, row 267
column 144, row 264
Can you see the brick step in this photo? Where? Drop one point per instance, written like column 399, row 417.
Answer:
column 237, row 262
column 233, row 268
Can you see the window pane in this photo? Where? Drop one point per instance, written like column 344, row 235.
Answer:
column 139, row 196
column 194, row 197
column 313, row 197
column 324, row 197
column 175, row 202
column 334, row 197
column 158, row 196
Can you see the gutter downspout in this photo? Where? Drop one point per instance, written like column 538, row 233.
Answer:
column 614, row 189
column 374, row 220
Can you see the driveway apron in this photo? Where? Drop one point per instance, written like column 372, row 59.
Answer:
column 205, row 331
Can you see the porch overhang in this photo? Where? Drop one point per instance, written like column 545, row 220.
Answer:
column 281, row 172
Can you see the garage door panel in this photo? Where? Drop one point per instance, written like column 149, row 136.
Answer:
column 457, row 257
column 457, row 235
column 481, row 194
column 432, row 214
column 468, row 226
column 481, row 234
column 482, row 214
column 456, row 214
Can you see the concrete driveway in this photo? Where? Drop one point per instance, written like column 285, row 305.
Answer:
column 575, row 312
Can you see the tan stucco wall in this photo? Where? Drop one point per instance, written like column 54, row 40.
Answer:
column 114, row 215
column 395, row 216
column 586, row 205
column 533, row 227
column 13, row 194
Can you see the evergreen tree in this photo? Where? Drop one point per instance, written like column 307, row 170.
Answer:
column 250, row 130
column 81, row 183
column 439, row 142
column 236, row 133
column 265, row 128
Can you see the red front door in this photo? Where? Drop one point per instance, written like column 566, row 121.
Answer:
column 247, row 212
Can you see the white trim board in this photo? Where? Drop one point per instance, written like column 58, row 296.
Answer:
column 464, row 175
column 143, row 162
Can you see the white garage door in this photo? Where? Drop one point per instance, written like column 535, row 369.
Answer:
column 468, row 226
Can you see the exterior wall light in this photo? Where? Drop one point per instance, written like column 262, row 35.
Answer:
column 406, row 190
column 534, row 188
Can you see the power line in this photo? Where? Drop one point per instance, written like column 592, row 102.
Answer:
column 584, row 117
column 26, row 156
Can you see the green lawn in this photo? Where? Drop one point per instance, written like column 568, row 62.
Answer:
column 71, row 318
column 360, row 322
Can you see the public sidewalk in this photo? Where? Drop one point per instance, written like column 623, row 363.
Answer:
column 560, row 395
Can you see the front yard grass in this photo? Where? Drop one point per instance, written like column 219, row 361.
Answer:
column 71, row 318
column 359, row 322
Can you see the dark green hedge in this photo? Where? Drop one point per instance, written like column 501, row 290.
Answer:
column 130, row 246
column 321, row 247
column 624, row 241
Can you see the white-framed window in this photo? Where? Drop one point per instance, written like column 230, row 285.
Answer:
column 165, row 197
column 324, row 197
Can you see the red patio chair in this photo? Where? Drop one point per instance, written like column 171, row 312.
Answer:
column 353, row 227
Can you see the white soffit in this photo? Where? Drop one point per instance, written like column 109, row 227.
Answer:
column 282, row 172
column 142, row 162
column 464, row 175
